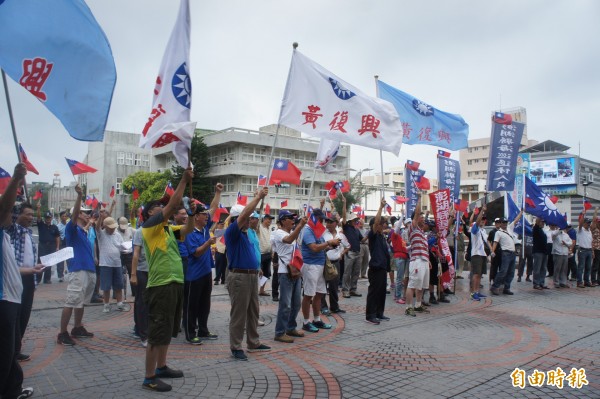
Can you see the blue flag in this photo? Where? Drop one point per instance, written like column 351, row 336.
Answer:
column 513, row 211
column 504, row 151
column 57, row 51
column 424, row 124
column 411, row 176
column 539, row 204
column 449, row 176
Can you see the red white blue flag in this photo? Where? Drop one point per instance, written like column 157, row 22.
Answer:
column 26, row 161
column 78, row 168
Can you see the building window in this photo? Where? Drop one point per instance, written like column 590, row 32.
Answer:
column 221, row 155
column 303, row 189
column 120, row 158
column 146, row 160
column 254, row 154
column 119, row 185
column 129, row 158
column 470, row 162
column 305, row 159
column 228, row 184
column 283, row 189
column 138, row 160
column 323, row 193
column 248, row 185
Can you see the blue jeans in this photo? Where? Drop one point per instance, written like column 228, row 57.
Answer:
column 507, row 271
column 290, row 299
column 584, row 266
column 540, row 261
column 400, row 267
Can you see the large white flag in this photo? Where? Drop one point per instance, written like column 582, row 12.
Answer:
column 169, row 121
column 320, row 104
column 326, row 155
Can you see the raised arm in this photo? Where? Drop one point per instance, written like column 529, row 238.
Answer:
column 7, row 201
column 343, row 210
column 378, row 215
column 216, row 199
column 245, row 214
column 175, row 200
column 296, row 232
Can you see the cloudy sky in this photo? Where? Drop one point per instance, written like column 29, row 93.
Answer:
column 462, row 56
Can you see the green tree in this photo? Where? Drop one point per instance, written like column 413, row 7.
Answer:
column 150, row 186
column 202, row 185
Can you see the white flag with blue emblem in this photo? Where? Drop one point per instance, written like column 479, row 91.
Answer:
column 320, row 104
column 326, row 155
column 169, row 120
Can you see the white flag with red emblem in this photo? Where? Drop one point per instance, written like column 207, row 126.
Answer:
column 169, row 120
column 321, row 104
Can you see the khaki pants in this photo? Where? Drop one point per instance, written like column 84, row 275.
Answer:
column 243, row 293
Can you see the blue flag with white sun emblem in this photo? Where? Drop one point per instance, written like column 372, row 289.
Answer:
column 424, row 124
column 538, row 203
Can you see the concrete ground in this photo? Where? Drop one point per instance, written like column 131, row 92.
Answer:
column 464, row 349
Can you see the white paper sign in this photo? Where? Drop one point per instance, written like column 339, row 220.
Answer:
column 262, row 281
column 57, row 257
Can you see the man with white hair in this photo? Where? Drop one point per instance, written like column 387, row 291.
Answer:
column 242, row 282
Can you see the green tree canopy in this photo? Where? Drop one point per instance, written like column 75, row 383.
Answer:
column 357, row 192
column 202, row 185
column 150, row 186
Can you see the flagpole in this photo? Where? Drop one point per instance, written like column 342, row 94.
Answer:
column 380, row 151
column 312, row 182
column 12, row 126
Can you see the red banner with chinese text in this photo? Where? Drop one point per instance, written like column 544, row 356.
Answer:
column 441, row 205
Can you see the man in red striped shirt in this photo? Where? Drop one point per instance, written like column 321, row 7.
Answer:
column 418, row 277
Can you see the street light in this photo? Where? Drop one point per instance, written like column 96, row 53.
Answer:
column 358, row 175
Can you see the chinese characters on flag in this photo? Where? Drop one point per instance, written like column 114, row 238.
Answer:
column 440, row 205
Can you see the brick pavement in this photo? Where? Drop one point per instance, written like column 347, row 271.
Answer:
column 461, row 350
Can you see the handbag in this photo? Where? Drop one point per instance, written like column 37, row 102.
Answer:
column 330, row 272
column 295, row 265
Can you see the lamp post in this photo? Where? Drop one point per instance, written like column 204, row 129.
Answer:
column 358, row 175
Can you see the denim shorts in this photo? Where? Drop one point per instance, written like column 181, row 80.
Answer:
column 111, row 278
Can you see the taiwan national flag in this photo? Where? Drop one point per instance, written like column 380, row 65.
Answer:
column 262, row 181
column 112, row 192
column 57, row 51
column 285, row 171
column 422, row 183
column 169, row 119
column 317, row 227
column 587, row 205
column 267, row 209
column 78, row 168
column 242, row 199
column 134, row 193
column 412, row 165
column 38, row 195
column 502, row 118
column 218, row 212
column 4, row 180
column 388, row 209
column 442, row 153
column 461, row 205
column 25, row 160
column 88, row 200
column 399, row 199
column 169, row 190
column 95, row 202
column 283, row 204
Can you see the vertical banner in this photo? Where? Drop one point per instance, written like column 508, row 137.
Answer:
column 504, row 149
column 410, row 177
column 449, row 176
column 440, row 206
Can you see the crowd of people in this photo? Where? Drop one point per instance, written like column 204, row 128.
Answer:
column 310, row 260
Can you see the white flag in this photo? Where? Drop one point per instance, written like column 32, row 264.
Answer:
column 169, row 121
column 326, row 155
column 320, row 104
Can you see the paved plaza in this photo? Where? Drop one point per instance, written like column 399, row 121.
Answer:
column 464, row 349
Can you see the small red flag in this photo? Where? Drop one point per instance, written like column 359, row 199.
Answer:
column 587, row 205
column 134, row 193
column 25, row 160
column 169, row 190
column 285, row 171
column 399, row 199
column 94, row 201
column 38, row 195
column 412, row 165
column 388, row 208
column 422, row 183
column 78, row 168
column 461, row 206
column 283, row 204
column 218, row 212
column 242, row 199
column 112, row 192
column 317, row 227
column 267, row 209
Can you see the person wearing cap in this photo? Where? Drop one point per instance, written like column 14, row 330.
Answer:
column 334, row 255
column 111, row 269
column 220, row 257
column 378, row 267
column 496, row 261
column 561, row 242
column 540, row 255
column 595, row 228
column 363, row 258
column 352, row 261
column 164, row 290
column 126, row 249
column 313, row 250
column 264, row 240
column 242, row 281
column 419, row 266
column 49, row 241
column 62, row 223
column 198, row 276
column 505, row 239
column 478, row 241
column 180, row 218
column 11, row 290
column 585, row 255
column 290, row 288
column 81, row 277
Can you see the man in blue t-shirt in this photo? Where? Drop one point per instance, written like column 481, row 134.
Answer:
column 198, row 276
column 81, row 276
column 313, row 249
column 242, row 281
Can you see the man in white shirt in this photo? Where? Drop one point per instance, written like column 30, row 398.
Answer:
column 561, row 242
column 505, row 239
column 585, row 255
column 111, row 270
column 334, row 255
column 290, row 289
